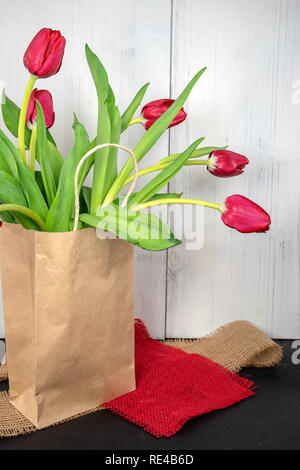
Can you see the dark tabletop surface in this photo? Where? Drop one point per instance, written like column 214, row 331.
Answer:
column 269, row 420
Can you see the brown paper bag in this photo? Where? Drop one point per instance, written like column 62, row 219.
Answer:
column 68, row 309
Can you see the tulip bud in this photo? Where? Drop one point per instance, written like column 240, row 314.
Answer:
column 244, row 215
column 153, row 110
column 43, row 56
column 224, row 163
column 45, row 99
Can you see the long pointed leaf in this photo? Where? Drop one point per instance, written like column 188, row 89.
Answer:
column 155, row 197
column 144, row 230
column 42, row 144
column 33, row 194
column 103, row 130
column 115, row 133
column 11, row 114
column 151, row 136
column 11, row 190
column 129, row 112
column 11, row 193
column 56, row 161
column 160, row 180
column 3, row 163
column 9, row 159
column 61, row 211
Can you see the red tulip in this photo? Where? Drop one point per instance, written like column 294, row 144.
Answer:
column 43, row 56
column 153, row 110
column 244, row 215
column 45, row 99
column 224, row 163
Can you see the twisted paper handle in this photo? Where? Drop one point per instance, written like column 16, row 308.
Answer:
column 90, row 152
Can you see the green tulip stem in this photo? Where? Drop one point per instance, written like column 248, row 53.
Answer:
column 25, row 211
column 22, row 119
column 32, row 149
column 161, row 166
column 196, row 202
column 138, row 120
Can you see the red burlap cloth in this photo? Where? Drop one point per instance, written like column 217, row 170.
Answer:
column 174, row 386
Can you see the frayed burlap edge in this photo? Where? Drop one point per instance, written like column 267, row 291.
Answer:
column 235, row 345
column 3, row 372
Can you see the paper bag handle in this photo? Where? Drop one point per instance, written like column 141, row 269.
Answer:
column 87, row 155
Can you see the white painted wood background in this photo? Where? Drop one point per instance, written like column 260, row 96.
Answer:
column 247, row 99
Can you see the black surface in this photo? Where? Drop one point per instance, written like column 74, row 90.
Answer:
column 269, row 420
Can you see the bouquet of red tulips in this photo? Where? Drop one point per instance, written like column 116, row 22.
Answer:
column 70, row 346
column 45, row 199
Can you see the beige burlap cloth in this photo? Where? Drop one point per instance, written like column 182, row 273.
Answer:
column 236, row 345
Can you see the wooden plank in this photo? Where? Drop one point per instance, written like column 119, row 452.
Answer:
column 247, row 99
column 132, row 38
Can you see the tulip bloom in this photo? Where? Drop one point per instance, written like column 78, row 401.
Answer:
column 44, row 97
column 224, row 163
column 244, row 215
column 153, row 110
column 43, row 56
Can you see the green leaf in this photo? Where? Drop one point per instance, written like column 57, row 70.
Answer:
column 89, row 162
column 101, row 158
column 112, row 167
column 34, row 197
column 56, row 161
column 42, row 144
column 7, row 217
column 39, row 180
column 144, row 230
column 160, row 180
column 151, row 136
column 3, row 164
column 129, row 113
column 87, row 193
column 11, row 114
column 103, row 130
column 201, row 152
column 11, row 193
column 153, row 198
column 7, row 160
column 115, row 133
column 165, row 195
column 23, row 220
column 159, row 127
column 98, row 73
column 11, row 190
column 61, row 210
